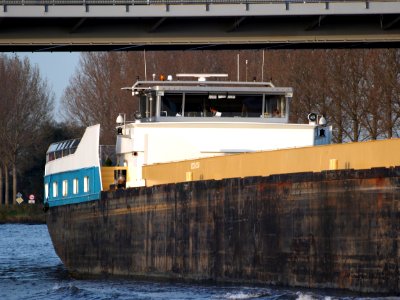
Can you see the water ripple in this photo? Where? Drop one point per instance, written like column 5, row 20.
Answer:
column 30, row 270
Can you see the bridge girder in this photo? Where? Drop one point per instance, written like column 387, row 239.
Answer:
column 222, row 25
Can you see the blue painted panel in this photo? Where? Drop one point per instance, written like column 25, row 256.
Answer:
column 93, row 193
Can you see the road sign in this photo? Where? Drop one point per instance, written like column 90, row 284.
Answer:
column 19, row 195
column 19, row 200
column 31, row 199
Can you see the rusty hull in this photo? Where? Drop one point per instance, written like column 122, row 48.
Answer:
column 333, row 229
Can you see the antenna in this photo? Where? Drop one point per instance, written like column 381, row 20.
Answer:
column 237, row 62
column 145, row 64
column 262, row 66
column 202, row 77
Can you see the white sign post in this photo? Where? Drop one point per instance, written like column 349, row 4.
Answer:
column 31, row 199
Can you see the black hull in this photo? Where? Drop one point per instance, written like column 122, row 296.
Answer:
column 335, row 229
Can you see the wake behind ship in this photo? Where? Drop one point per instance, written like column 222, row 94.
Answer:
column 211, row 183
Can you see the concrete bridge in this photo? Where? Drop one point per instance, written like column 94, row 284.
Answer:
column 78, row 25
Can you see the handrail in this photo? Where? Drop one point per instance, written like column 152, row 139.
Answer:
column 140, row 85
column 170, row 2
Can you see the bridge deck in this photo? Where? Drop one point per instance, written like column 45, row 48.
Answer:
column 67, row 25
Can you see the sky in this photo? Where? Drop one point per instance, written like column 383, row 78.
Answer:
column 57, row 68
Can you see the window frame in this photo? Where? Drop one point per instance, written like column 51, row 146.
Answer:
column 65, row 188
column 86, row 181
column 75, row 186
column 46, row 190
column 55, row 189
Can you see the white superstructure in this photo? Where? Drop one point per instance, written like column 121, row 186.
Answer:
column 181, row 120
column 73, row 170
column 85, row 154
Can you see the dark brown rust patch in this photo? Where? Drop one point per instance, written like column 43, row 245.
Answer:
column 337, row 229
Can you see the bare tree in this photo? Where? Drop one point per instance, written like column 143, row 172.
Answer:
column 94, row 93
column 27, row 103
column 357, row 90
column 374, row 97
column 388, row 70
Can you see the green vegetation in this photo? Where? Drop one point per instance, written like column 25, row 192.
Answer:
column 24, row 213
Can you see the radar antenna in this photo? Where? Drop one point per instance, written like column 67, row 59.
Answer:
column 202, row 77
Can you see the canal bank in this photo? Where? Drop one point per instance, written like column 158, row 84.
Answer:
column 24, row 213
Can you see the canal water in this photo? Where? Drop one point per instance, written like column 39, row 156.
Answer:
column 30, row 269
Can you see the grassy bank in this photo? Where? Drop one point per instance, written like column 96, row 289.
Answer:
column 24, row 213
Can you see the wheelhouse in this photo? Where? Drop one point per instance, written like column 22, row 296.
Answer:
column 212, row 101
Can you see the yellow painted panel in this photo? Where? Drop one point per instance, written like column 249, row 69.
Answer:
column 107, row 176
column 361, row 155
column 189, row 176
column 333, row 164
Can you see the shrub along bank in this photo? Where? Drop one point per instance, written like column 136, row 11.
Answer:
column 24, row 213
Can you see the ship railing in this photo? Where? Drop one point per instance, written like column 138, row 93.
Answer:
column 146, row 85
column 166, row 2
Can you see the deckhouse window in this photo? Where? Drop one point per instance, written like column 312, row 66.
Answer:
column 65, row 188
column 46, row 191
column 86, row 184
column 55, row 189
column 61, row 149
column 75, row 186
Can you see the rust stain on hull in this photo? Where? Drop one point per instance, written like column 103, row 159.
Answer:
column 337, row 229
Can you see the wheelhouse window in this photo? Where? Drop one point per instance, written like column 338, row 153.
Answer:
column 219, row 104
column 86, row 184
column 65, row 188
column 147, row 105
column 275, row 106
column 247, row 106
column 55, row 189
column 171, row 105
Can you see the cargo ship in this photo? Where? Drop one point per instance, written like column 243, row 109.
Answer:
column 210, row 182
